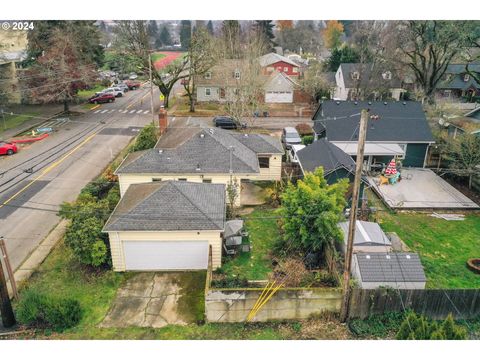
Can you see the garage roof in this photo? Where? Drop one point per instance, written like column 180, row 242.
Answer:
column 390, row 267
column 366, row 233
column 169, row 206
column 377, row 149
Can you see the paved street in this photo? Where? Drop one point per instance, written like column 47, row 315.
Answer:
column 36, row 180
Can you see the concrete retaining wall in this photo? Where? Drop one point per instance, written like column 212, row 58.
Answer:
column 233, row 305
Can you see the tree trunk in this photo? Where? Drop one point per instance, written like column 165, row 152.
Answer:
column 66, row 106
column 165, row 101
column 470, row 180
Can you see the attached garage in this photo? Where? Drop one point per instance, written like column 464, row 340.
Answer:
column 279, row 97
column 279, row 89
column 167, row 225
column 165, row 255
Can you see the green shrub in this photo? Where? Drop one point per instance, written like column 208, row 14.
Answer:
column 44, row 311
column 307, row 139
column 98, row 188
column 417, row 327
column 230, row 282
column 378, row 326
column 146, row 139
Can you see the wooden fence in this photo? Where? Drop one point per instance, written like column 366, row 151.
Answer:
column 434, row 303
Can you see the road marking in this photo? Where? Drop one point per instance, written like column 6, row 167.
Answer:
column 111, row 111
column 146, row 112
column 139, row 111
column 49, row 168
column 132, row 111
column 136, row 102
column 97, row 111
column 104, row 111
column 95, row 107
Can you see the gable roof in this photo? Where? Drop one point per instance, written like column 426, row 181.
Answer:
column 454, row 77
column 370, row 76
column 366, row 233
column 272, row 58
column 398, row 121
column 324, row 153
column 279, row 81
column 222, row 74
column 390, row 267
column 169, row 206
column 201, row 151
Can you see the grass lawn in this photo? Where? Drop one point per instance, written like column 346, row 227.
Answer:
column 157, row 56
column 61, row 275
column 13, row 121
column 263, row 231
column 444, row 246
column 86, row 94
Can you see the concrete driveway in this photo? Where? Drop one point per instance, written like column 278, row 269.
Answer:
column 158, row 299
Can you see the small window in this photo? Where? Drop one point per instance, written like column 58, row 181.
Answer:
column 295, row 70
column 182, row 179
column 387, row 75
column 207, row 181
column 236, row 91
column 237, row 74
column 208, row 92
column 264, row 162
column 156, row 179
column 270, row 69
column 285, row 69
column 355, row 75
column 208, row 75
column 466, row 77
column 404, row 148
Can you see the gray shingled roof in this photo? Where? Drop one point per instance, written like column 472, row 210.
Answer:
column 398, row 122
column 375, row 235
column 272, row 58
column 169, row 206
column 324, row 153
column 455, row 77
column 390, row 267
column 369, row 76
column 204, row 151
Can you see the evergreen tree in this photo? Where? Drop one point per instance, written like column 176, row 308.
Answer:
column 185, row 33
column 265, row 29
column 165, row 38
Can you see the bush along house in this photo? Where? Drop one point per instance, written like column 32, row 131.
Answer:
column 395, row 130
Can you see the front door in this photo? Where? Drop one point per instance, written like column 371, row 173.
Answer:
column 222, row 93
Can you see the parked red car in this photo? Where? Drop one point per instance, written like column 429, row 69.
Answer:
column 7, row 148
column 132, row 85
column 101, row 98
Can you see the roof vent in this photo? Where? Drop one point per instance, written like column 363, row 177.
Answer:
column 367, row 256
column 338, row 102
column 211, row 131
column 369, row 103
column 202, row 135
column 160, row 151
column 198, row 167
column 408, row 256
column 388, row 257
column 356, row 102
column 385, row 103
column 245, row 135
column 404, row 103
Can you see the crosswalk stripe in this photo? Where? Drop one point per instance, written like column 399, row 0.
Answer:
column 146, row 112
column 104, row 111
column 111, row 111
column 132, row 111
column 97, row 111
column 139, row 111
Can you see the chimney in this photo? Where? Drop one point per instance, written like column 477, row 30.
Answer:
column 162, row 120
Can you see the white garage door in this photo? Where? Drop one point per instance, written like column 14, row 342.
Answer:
column 279, row 97
column 165, row 255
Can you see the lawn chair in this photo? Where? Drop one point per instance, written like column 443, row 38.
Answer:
column 229, row 251
column 382, row 180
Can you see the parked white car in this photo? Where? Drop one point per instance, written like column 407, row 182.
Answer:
column 292, row 153
column 115, row 91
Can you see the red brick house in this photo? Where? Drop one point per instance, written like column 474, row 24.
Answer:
column 273, row 62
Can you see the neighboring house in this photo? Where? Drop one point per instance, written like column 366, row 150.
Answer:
column 369, row 237
column 395, row 129
column 457, row 84
column 220, row 83
column 357, row 81
column 459, row 126
column 274, row 62
column 13, row 50
column 204, row 155
column 167, row 225
column 396, row 270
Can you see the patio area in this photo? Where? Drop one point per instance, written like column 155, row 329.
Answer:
column 421, row 189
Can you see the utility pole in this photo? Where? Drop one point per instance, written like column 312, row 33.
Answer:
column 8, row 318
column 151, row 86
column 4, row 124
column 353, row 214
column 8, row 266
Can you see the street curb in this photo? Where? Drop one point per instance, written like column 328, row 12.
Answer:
column 39, row 254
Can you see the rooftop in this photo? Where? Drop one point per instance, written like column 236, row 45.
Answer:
column 169, row 206
column 272, row 58
column 369, row 76
column 366, row 233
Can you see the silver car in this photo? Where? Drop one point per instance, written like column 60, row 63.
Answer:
column 290, row 137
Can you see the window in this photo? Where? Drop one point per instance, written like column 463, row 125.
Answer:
column 236, row 91
column 355, row 75
column 237, row 74
column 285, row 69
column 264, row 162
column 208, row 75
column 466, row 77
column 295, row 70
column 208, row 91
column 156, row 179
column 182, row 179
column 270, row 69
column 387, row 75
column 404, row 148
column 207, row 181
